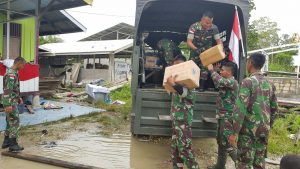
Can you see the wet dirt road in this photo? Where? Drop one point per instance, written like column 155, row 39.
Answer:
column 114, row 152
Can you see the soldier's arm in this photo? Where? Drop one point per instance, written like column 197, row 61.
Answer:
column 9, row 81
column 190, row 37
column 182, row 91
column 273, row 105
column 242, row 103
column 220, row 81
column 217, row 35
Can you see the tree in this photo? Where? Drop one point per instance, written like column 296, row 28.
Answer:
column 267, row 32
column 252, row 38
column 50, row 39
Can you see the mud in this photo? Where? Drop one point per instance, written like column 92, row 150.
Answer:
column 83, row 143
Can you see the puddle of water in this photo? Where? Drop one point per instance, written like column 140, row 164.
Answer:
column 89, row 149
column 115, row 152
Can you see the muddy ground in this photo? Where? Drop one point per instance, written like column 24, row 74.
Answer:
column 96, row 140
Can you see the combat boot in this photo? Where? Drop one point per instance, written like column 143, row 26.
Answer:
column 6, row 142
column 14, row 146
column 221, row 162
column 233, row 153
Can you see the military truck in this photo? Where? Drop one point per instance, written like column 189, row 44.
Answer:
column 157, row 19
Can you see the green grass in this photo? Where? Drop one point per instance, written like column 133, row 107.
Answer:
column 123, row 94
column 279, row 142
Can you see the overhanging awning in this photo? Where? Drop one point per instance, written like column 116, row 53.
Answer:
column 24, row 8
column 59, row 22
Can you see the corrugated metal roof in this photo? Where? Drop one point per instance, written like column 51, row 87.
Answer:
column 59, row 22
column 86, row 47
column 119, row 31
column 54, row 20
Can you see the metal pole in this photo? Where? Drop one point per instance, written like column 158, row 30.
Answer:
column 8, row 30
column 37, row 30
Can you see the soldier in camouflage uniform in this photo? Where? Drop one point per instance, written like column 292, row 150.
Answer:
column 182, row 117
column 228, row 88
column 10, row 100
column 202, row 36
column 256, row 106
column 168, row 50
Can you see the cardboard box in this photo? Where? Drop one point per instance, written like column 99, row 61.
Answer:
column 212, row 55
column 187, row 74
column 151, row 61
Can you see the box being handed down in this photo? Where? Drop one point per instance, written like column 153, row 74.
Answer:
column 212, row 55
column 187, row 74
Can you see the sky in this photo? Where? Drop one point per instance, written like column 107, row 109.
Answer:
column 106, row 13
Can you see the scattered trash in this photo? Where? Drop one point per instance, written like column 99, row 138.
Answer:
column 118, row 102
column 98, row 93
column 44, row 132
column 49, row 106
column 292, row 136
column 50, row 144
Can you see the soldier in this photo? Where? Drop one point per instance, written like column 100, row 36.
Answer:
column 182, row 116
column 201, row 36
column 10, row 100
column 256, row 106
column 228, row 88
column 168, row 50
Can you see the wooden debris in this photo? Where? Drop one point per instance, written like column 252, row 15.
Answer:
column 30, row 109
column 47, row 160
column 272, row 162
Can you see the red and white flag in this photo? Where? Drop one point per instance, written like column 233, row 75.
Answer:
column 235, row 37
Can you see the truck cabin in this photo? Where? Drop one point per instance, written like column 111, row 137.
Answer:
column 171, row 20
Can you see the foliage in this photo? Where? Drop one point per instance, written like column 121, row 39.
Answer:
column 252, row 38
column 267, row 32
column 50, row 39
column 279, row 142
column 282, row 62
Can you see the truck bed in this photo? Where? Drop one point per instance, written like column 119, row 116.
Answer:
column 151, row 113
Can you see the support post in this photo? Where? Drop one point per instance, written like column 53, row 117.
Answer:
column 112, row 67
column 37, row 28
column 94, row 66
column 8, row 30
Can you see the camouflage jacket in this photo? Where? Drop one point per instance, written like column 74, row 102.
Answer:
column 256, row 106
column 168, row 50
column 11, row 88
column 182, row 104
column 202, row 39
column 228, row 89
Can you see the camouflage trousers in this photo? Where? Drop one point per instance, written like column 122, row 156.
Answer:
column 225, row 129
column 251, row 152
column 181, row 146
column 13, row 123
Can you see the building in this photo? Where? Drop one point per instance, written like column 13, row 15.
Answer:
column 104, row 55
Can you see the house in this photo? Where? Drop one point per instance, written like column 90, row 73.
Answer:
column 104, row 55
column 21, row 24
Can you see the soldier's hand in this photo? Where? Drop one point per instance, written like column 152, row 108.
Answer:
column 210, row 67
column 8, row 109
column 232, row 139
column 171, row 80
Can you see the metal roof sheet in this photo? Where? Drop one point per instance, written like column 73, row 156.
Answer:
column 87, row 47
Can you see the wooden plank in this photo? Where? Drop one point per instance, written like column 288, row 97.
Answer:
column 272, row 161
column 30, row 109
column 47, row 160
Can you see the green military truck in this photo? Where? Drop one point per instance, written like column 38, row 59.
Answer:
column 157, row 19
